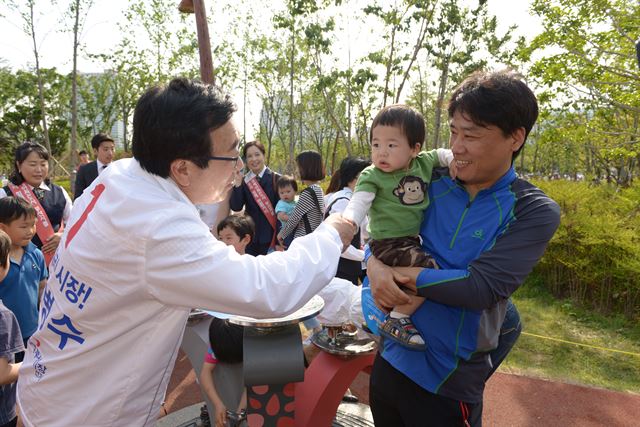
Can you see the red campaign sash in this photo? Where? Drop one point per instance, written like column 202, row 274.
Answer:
column 44, row 229
column 264, row 204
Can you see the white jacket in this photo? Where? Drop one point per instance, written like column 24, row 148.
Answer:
column 147, row 258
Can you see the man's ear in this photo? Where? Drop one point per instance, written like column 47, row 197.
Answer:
column 3, row 227
column 518, row 139
column 179, row 172
column 246, row 239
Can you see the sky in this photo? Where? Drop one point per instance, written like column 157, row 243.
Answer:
column 101, row 33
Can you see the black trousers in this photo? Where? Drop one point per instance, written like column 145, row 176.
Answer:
column 397, row 401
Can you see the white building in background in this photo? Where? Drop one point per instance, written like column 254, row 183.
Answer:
column 116, row 131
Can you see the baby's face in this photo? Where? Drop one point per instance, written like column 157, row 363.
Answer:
column 390, row 149
column 287, row 193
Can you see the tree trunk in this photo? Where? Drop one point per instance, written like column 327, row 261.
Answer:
column 440, row 101
column 74, row 92
column 421, row 36
column 389, row 62
column 40, row 86
column 291, row 132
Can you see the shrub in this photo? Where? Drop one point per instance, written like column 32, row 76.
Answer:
column 594, row 256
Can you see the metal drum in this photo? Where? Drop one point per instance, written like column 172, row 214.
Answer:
column 310, row 309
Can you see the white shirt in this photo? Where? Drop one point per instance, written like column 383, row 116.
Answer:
column 251, row 174
column 101, row 166
column 67, row 206
column 342, row 198
column 148, row 258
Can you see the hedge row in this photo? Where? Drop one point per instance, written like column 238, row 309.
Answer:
column 594, row 256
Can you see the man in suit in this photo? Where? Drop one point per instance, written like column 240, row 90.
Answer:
column 103, row 148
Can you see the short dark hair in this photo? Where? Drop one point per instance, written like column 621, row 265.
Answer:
column 241, row 224
column 350, row 168
column 285, row 181
column 310, row 166
column 13, row 208
column 406, row 118
column 82, row 152
column 98, row 139
column 498, row 98
column 250, row 144
column 5, row 248
column 174, row 122
column 225, row 340
column 21, row 153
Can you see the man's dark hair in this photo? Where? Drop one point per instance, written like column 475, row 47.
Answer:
column 175, row 121
column 499, row 98
column 22, row 152
column 82, row 152
column 287, row 180
column 13, row 208
column 225, row 340
column 240, row 224
column 98, row 139
column 5, row 248
column 310, row 166
column 406, row 118
column 250, row 144
column 350, row 168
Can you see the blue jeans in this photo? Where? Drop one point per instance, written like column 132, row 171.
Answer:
column 509, row 333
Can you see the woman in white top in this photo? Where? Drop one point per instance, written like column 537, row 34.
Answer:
column 350, row 266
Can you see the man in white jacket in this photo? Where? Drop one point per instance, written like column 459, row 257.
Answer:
column 135, row 257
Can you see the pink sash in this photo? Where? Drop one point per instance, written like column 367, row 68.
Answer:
column 44, row 229
column 264, row 204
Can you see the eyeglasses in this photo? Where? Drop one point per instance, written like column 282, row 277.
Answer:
column 229, row 159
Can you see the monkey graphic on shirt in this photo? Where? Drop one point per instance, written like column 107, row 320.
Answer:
column 411, row 190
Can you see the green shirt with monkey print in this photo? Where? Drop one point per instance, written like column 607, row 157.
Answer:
column 401, row 197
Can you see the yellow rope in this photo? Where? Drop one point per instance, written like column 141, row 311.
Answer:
column 582, row 345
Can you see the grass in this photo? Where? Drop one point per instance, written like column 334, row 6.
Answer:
column 543, row 314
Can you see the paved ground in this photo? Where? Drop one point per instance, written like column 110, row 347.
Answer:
column 510, row 400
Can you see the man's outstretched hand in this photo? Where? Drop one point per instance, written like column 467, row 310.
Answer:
column 346, row 229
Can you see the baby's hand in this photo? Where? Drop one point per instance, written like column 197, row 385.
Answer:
column 453, row 169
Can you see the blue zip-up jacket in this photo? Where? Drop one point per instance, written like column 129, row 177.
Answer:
column 485, row 247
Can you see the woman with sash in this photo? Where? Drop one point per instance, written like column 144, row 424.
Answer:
column 30, row 181
column 257, row 194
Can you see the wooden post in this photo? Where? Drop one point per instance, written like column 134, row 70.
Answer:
column 204, row 44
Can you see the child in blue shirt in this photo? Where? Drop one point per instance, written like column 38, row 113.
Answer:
column 27, row 276
column 10, row 345
column 287, row 189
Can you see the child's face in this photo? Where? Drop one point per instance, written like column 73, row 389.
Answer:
column 390, row 150
column 287, row 193
column 20, row 230
column 229, row 237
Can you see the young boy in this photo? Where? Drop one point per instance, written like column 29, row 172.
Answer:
column 225, row 339
column 237, row 231
column 394, row 192
column 10, row 345
column 20, row 290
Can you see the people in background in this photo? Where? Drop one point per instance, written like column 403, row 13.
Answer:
column 103, row 148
